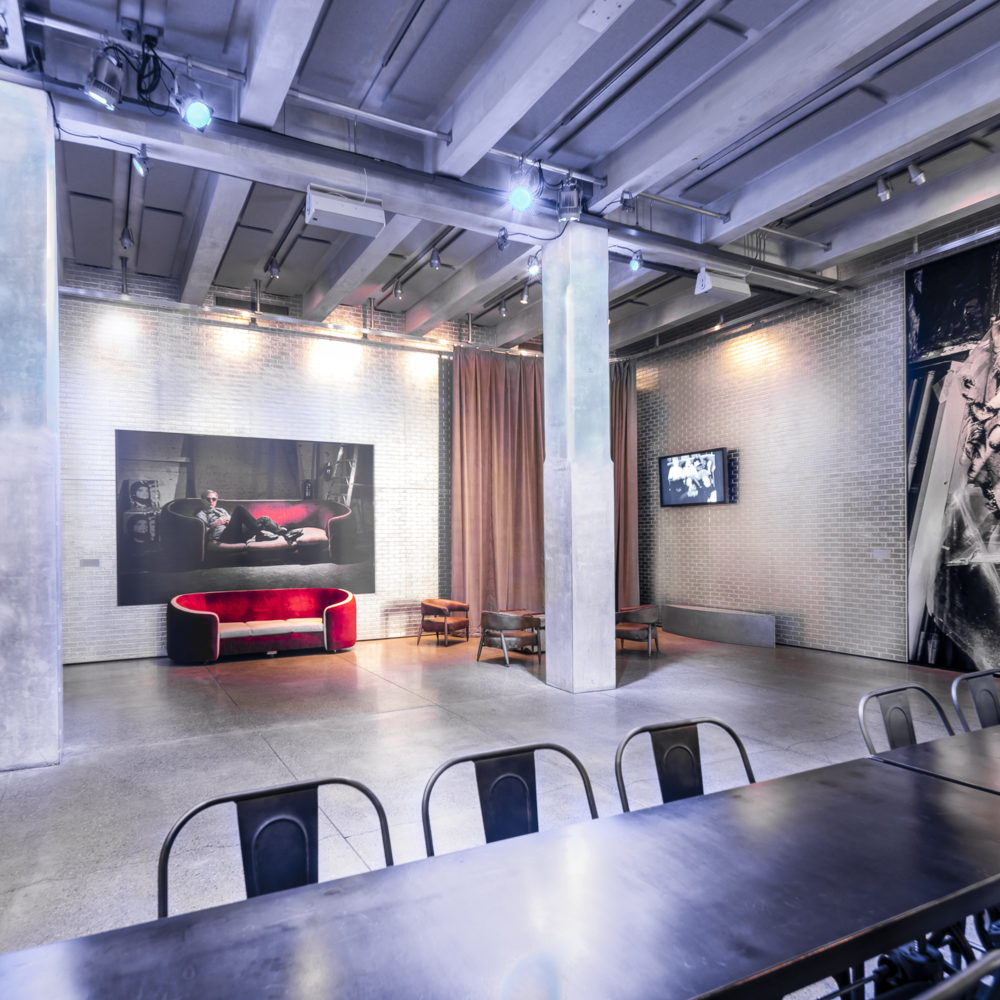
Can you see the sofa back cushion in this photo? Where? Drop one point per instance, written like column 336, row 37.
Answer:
column 290, row 513
column 264, row 605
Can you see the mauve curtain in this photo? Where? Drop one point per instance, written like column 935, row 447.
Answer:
column 497, row 555
column 624, row 456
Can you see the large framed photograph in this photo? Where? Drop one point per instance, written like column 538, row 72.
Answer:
column 953, row 432
column 205, row 512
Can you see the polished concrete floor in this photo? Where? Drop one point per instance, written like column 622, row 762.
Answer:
column 145, row 740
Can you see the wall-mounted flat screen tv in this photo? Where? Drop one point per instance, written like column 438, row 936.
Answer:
column 694, row 477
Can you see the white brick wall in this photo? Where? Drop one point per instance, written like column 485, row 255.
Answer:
column 814, row 404
column 142, row 367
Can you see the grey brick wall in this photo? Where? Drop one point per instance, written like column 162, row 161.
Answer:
column 813, row 402
column 152, row 367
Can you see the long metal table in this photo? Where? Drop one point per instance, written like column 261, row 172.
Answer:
column 971, row 759
column 750, row 892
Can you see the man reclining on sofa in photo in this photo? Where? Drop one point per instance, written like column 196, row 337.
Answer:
column 241, row 525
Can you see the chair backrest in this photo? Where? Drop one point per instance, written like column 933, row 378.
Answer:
column 646, row 614
column 982, row 687
column 677, row 755
column 897, row 716
column 279, row 837
column 508, row 792
column 508, row 621
column 964, row 984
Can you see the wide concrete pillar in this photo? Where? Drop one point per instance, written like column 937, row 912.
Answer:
column 30, row 644
column 579, row 492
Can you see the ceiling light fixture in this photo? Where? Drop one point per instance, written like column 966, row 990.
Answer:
column 397, row 291
column 126, row 239
column 525, row 183
column 104, row 85
column 534, row 265
column 636, row 262
column 189, row 103
column 524, row 296
column 435, row 261
column 917, row 176
column 733, row 285
column 502, row 311
column 627, row 201
column 272, row 269
column 569, row 201
column 141, row 161
column 883, row 189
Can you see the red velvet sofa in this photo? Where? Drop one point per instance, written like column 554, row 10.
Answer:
column 324, row 537
column 202, row 627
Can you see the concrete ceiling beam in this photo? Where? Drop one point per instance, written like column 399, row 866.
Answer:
column 680, row 308
column 222, row 205
column 533, row 53
column 962, row 99
column 818, row 40
column 279, row 39
column 291, row 163
column 475, row 282
column 946, row 199
column 352, row 265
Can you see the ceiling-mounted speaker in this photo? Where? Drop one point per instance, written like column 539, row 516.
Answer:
column 335, row 211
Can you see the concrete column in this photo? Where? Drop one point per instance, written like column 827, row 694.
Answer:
column 30, row 601
column 579, row 492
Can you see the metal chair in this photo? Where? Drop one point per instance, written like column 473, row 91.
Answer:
column 279, row 836
column 897, row 716
column 508, row 792
column 510, row 630
column 966, row 984
column 443, row 616
column 982, row 687
column 677, row 755
column 638, row 624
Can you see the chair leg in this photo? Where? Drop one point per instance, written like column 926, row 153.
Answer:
column 649, row 640
column 420, row 631
column 482, row 636
column 503, row 643
column 656, row 636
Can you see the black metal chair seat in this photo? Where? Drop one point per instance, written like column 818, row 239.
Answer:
column 279, row 836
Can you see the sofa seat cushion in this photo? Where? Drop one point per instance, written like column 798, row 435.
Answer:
column 277, row 626
column 305, row 624
column 234, row 630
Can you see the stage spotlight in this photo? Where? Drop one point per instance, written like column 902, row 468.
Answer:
column 104, row 84
column 636, row 262
column 534, row 265
column 524, row 296
column 397, row 290
column 502, row 311
column 525, row 183
column 435, row 259
column 883, row 189
column 917, row 176
column 190, row 104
